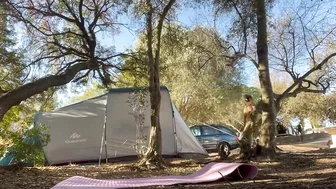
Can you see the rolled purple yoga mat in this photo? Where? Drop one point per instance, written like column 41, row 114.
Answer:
column 209, row 173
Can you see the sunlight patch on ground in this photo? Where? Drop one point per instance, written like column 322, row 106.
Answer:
column 305, row 180
column 326, row 161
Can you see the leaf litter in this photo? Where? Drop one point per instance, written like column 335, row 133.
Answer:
column 292, row 168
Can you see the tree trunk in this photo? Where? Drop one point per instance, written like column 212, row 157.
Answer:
column 153, row 155
column 23, row 92
column 267, row 137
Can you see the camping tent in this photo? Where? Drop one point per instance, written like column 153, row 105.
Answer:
column 6, row 159
column 105, row 127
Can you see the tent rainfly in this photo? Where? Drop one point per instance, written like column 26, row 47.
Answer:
column 104, row 127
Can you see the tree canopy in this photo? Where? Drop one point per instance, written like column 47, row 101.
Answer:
column 201, row 81
column 13, row 75
column 63, row 44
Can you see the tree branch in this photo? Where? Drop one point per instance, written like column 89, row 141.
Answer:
column 16, row 96
column 159, row 28
column 149, row 33
column 244, row 26
column 299, row 80
column 80, row 10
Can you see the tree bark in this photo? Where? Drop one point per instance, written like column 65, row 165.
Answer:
column 267, row 137
column 23, row 92
column 154, row 153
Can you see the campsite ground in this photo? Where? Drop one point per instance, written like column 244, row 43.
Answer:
column 296, row 167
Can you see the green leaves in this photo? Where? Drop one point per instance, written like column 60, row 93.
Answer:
column 28, row 149
column 19, row 118
column 316, row 107
column 203, row 85
column 11, row 68
column 90, row 92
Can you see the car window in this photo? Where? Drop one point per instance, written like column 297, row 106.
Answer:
column 196, row 131
column 229, row 131
column 210, row 131
column 226, row 130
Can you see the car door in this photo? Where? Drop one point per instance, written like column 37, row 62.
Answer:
column 210, row 137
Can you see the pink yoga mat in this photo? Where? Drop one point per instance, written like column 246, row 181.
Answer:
column 209, row 173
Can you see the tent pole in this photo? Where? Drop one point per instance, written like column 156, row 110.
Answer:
column 174, row 126
column 175, row 134
column 102, row 140
column 105, row 125
column 105, row 142
column 174, row 122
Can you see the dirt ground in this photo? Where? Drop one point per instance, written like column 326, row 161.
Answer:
column 295, row 167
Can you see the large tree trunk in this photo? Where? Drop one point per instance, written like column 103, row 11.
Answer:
column 23, row 92
column 267, row 137
column 154, row 153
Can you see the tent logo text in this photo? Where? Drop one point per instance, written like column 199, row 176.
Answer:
column 76, row 138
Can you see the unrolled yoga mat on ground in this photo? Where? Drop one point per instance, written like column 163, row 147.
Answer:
column 209, row 173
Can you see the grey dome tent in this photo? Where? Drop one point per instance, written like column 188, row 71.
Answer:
column 104, row 127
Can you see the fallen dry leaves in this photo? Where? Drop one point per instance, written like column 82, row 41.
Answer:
column 292, row 168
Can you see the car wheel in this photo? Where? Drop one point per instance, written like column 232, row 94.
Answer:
column 224, row 150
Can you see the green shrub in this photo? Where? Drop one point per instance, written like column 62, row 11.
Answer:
column 28, row 150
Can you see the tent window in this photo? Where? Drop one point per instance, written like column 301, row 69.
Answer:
column 196, row 131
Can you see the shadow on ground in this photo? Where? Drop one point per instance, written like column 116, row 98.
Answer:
column 306, row 169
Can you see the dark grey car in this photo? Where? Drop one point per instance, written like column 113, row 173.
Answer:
column 216, row 138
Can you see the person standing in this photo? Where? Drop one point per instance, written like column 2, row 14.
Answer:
column 246, row 137
column 299, row 130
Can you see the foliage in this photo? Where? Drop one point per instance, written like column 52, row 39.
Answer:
column 202, row 86
column 301, row 47
column 298, row 37
column 61, row 45
column 63, row 33
column 300, row 41
column 330, row 107
column 11, row 67
column 139, row 103
column 28, row 149
column 201, row 66
column 20, row 118
column 12, row 74
column 250, row 15
column 95, row 90
column 316, row 107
